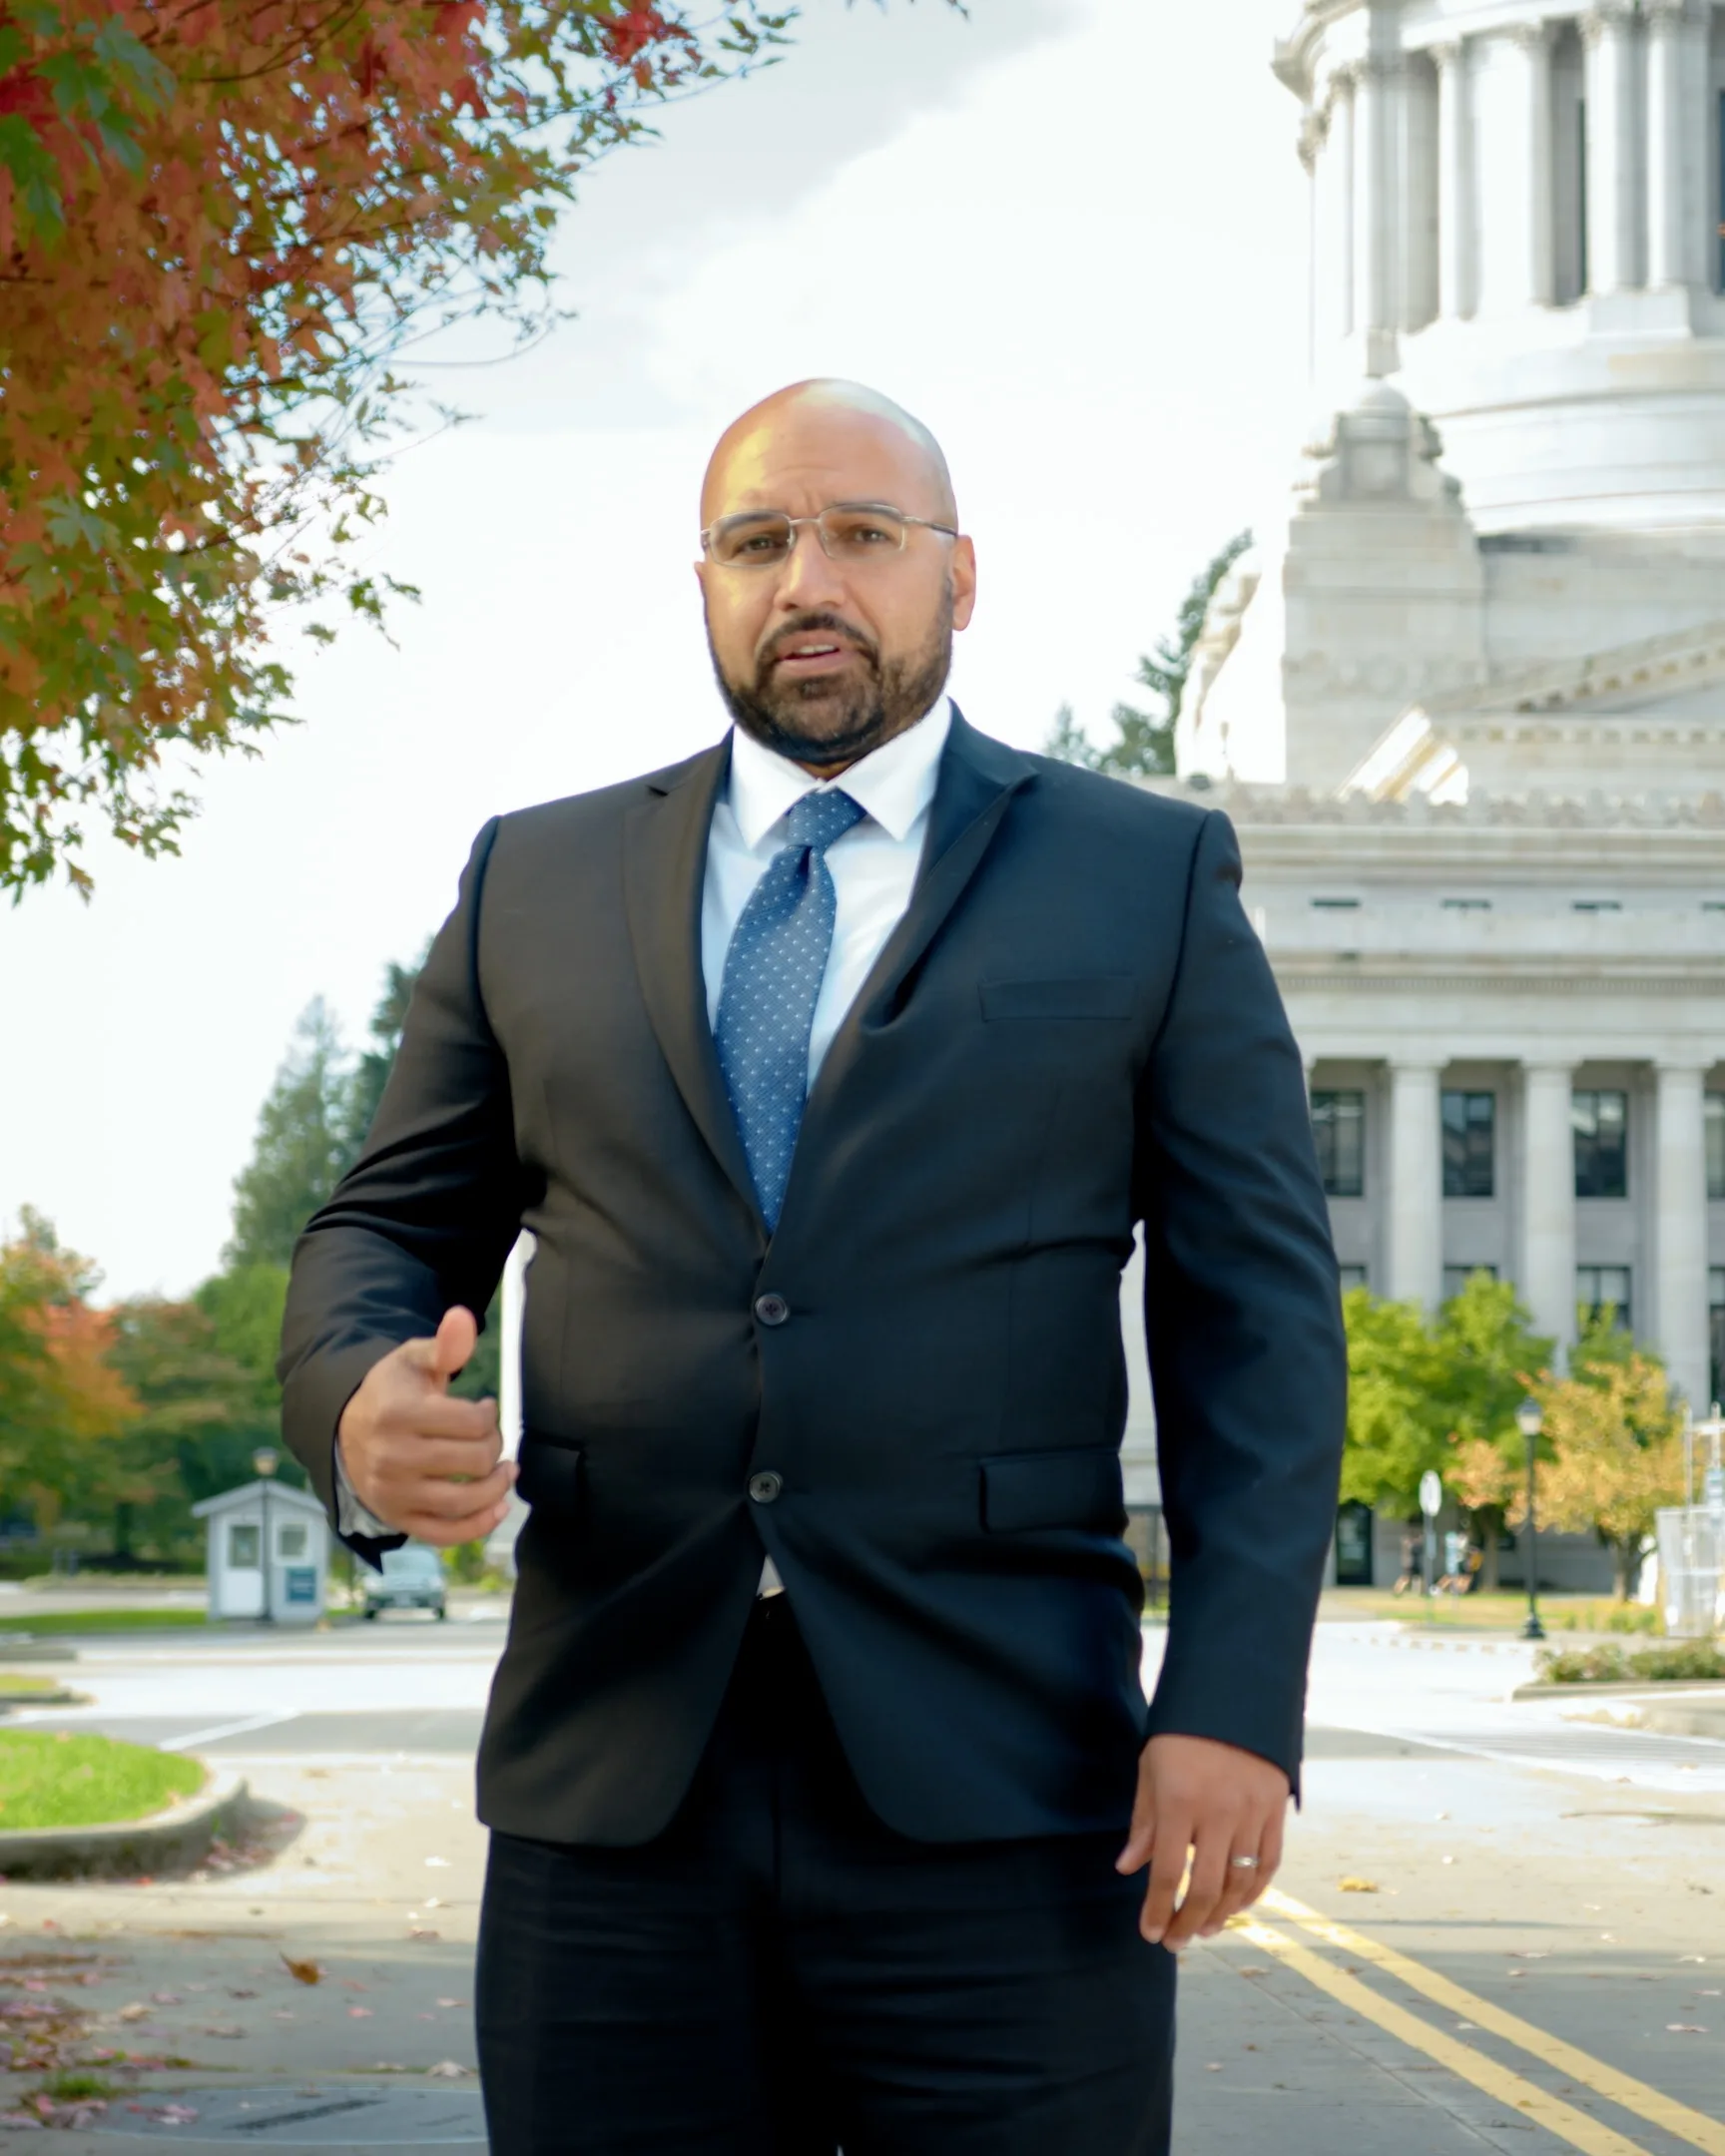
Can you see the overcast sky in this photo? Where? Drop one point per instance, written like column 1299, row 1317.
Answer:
column 1068, row 234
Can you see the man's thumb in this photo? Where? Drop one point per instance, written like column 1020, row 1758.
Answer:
column 452, row 1349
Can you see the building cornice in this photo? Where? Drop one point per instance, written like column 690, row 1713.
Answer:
column 1408, row 977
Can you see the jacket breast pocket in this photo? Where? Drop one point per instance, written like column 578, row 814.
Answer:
column 1079, row 1488
column 550, row 1476
column 1095, row 995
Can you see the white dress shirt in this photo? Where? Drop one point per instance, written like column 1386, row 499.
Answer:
column 873, row 869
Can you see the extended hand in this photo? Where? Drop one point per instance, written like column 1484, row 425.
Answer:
column 428, row 1464
column 1211, row 1802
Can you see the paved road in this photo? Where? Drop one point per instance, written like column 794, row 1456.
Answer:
column 1531, row 1953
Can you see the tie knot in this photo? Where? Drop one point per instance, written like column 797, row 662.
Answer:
column 819, row 818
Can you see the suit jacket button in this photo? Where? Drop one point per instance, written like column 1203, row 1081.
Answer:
column 771, row 1309
column 765, row 1487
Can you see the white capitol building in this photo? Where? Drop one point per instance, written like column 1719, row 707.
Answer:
column 1466, row 705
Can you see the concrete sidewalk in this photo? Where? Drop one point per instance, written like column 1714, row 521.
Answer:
column 181, row 1998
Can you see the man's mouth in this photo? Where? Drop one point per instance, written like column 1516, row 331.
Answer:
column 812, row 655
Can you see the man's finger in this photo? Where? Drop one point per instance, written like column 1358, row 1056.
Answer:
column 1205, row 1887
column 1246, row 1882
column 462, row 1422
column 456, row 1500
column 422, row 1459
column 1167, row 1868
column 450, row 1535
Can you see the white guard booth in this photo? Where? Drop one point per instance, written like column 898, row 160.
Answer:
column 298, row 1547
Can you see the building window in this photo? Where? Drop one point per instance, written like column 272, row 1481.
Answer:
column 1598, row 905
column 1602, row 1122
column 241, row 1546
column 1715, row 1105
column 1339, row 1126
column 1456, row 1276
column 1466, row 905
column 1600, row 1288
column 1352, row 1276
column 1716, row 1327
column 1469, row 1132
column 1336, row 905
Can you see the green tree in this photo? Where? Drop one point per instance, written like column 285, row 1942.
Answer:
column 1143, row 747
column 371, row 1073
column 1490, row 1358
column 1396, row 1420
column 1616, row 1444
column 301, row 1146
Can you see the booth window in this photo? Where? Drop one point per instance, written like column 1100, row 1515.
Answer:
column 242, row 1545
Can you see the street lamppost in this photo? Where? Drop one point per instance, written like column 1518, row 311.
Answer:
column 1530, row 1420
column 265, row 1462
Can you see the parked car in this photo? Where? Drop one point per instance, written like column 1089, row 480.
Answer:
column 412, row 1578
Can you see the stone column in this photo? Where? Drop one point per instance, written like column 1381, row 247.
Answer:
column 1375, row 92
column 1418, row 189
column 1545, row 1264
column 1415, row 1209
column 1667, row 145
column 1613, row 262
column 1345, row 164
column 1455, row 196
column 1541, row 169
column 1512, row 119
column 1680, row 1231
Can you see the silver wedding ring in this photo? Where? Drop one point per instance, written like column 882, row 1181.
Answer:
column 1244, row 1864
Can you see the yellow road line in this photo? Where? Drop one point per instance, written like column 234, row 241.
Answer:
column 1530, row 2101
column 1646, row 2102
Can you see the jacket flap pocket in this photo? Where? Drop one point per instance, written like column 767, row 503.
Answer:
column 1096, row 995
column 550, row 1475
column 1080, row 1488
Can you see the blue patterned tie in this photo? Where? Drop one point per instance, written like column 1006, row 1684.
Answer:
column 773, row 975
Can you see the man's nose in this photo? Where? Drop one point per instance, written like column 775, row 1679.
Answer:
column 808, row 578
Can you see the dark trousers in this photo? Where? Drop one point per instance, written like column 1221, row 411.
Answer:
column 780, row 1974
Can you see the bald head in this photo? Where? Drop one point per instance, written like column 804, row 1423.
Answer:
column 833, row 430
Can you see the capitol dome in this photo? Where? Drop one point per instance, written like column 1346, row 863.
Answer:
column 1518, row 210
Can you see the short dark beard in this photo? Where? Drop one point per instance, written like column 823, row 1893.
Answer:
column 888, row 700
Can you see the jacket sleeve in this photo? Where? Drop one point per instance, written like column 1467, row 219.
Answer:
column 1242, row 1317
column 425, row 1217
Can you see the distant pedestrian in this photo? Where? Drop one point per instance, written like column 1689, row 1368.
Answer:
column 1412, row 1578
column 834, row 1070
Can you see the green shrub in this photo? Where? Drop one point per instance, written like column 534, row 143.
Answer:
column 1681, row 1662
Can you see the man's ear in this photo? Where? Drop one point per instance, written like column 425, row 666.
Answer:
column 963, row 582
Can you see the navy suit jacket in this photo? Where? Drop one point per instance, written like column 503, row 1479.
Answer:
column 912, row 1394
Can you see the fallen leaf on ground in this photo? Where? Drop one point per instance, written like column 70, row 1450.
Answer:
column 358, row 2013
column 1685, row 2028
column 136, row 2011
column 1352, row 1884
column 306, row 1972
column 447, row 2070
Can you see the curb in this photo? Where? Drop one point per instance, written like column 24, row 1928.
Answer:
column 163, row 1840
column 33, row 1647
column 62, row 1698
column 1650, row 1688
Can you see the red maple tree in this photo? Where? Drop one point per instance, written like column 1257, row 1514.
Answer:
column 223, row 222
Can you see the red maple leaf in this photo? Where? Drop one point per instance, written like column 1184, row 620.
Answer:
column 628, row 35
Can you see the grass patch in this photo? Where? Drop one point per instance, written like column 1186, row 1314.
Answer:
column 1504, row 1610
column 49, row 1778
column 106, row 1620
column 1683, row 1662
column 13, row 1687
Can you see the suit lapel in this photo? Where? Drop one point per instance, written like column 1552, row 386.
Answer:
column 979, row 778
column 664, row 873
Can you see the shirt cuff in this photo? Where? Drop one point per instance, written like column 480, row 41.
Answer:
column 351, row 1517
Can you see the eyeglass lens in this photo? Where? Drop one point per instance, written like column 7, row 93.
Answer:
column 847, row 535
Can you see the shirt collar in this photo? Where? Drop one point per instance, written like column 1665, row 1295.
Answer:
column 894, row 783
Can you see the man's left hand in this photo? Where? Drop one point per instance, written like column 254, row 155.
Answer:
column 1212, row 1802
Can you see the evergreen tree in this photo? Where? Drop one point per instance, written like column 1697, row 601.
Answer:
column 301, row 1146
column 1144, row 743
column 372, row 1074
